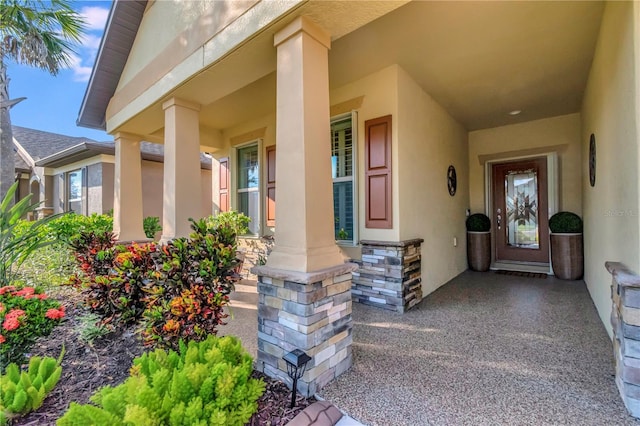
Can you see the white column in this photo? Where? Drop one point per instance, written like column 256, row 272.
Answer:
column 304, row 218
column 182, row 192
column 127, row 200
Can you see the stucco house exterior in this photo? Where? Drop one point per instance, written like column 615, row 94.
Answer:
column 354, row 116
column 77, row 174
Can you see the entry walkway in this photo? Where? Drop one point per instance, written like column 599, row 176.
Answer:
column 483, row 349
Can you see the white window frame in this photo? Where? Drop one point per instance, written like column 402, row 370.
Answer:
column 354, row 178
column 234, row 183
column 68, row 199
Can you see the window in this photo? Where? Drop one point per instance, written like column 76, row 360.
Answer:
column 342, row 170
column 74, row 191
column 248, row 184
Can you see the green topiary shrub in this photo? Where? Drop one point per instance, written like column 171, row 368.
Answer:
column 205, row 383
column 23, row 392
column 565, row 223
column 478, row 222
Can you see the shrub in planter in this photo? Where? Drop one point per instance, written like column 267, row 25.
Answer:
column 25, row 314
column 205, row 383
column 479, row 242
column 567, row 258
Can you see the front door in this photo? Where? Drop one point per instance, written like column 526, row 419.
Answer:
column 520, row 210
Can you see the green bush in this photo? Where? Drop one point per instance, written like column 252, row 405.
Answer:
column 478, row 222
column 25, row 314
column 151, row 225
column 23, row 392
column 565, row 223
column 205, row 383
column 237, row 222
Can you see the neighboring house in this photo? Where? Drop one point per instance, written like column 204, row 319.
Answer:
column 359, row 109
column 77, row 174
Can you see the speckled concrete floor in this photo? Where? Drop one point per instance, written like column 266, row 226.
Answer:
column 485, row 349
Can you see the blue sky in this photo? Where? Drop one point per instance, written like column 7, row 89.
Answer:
column 53, row 103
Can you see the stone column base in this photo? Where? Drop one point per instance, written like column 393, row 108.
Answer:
column 307, row 311
column 390, row 275
column 625, row 320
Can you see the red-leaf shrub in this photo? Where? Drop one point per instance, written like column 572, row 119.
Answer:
column 177, row 290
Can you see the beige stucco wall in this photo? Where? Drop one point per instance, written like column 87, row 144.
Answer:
column 557, row 134
column 429, row 140
column 152, row 182
column 185, row 28
column 610, row 112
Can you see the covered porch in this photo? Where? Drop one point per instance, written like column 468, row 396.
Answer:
column 485, row 348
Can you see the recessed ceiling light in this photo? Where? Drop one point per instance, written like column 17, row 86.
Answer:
column 515, row 112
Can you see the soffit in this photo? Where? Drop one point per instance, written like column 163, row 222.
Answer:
column 480, row 60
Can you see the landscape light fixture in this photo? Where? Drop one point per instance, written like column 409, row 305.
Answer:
column 296, row 365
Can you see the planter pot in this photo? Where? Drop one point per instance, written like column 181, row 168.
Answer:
column 479, row 250
column 567, row 257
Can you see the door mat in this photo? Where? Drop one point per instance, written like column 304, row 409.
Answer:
column 522, row 274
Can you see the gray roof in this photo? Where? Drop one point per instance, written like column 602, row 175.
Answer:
column 21, row 165
column 119, row 35
column 39, row 144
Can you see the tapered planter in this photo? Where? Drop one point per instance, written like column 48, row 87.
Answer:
column 567, row 258
column 479, row 250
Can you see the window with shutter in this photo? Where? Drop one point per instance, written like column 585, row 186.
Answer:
column 378, row 173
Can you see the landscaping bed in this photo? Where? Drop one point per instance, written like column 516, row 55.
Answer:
column 106, row 361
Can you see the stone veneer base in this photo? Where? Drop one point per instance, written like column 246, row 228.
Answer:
column 307, row 311
column 389, row 275
column 625, row 319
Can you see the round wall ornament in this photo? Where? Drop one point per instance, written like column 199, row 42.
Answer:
column 452, row 180
column 592, row 160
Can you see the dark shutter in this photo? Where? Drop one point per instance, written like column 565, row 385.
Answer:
column 224, row 185
column 378, row 173
column 271, row 186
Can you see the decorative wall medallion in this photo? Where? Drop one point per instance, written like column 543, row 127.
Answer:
column 452, row 180
column 592, row 160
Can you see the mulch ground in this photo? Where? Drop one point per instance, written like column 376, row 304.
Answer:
column 106, row 361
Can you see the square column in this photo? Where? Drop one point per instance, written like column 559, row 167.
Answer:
column 304, row 232
column 181, row 190
column 127, row 199
column 305, row 287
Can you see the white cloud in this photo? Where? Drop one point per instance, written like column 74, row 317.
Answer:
column 90, row 42
column 81, row 73
column 95, row 17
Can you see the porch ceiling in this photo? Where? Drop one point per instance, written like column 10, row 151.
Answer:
column 479, row 60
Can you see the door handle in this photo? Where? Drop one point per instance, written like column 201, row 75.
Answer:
column 499, row 221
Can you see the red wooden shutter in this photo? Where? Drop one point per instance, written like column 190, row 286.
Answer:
column 224, row 184
column 378, row 173
column 271, row 186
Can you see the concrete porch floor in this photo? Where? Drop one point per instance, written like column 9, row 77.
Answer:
column 483, row 349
